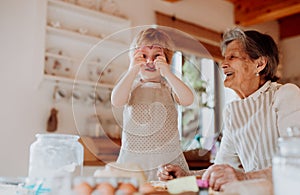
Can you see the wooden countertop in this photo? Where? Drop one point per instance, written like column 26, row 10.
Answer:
column 98, row 151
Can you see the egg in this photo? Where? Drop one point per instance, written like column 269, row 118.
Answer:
column 83, row 189
column 146, row 188
column 105, row 188
column 127, row 188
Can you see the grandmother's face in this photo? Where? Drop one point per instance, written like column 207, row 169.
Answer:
column 239, row 69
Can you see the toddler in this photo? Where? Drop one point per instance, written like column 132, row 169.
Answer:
column 149, row 92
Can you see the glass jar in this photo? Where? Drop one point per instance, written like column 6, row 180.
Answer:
column 55, row 158
column 286, row 166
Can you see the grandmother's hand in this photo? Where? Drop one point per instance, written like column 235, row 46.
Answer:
column 218, row 175
column 168, row 172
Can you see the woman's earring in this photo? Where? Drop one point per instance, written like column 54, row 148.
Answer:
column 257, row 74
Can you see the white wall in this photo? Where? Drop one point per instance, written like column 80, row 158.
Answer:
column 291, row 58
column 26, row 100
column 22, row 110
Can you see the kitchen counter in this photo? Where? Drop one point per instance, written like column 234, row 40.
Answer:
column 98, row 151
column 249, row 187
column 7, row 189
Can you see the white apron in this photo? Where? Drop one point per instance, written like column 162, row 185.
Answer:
column 150, row 136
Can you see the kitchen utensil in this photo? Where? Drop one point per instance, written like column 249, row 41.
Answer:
column 55, row 158
column 52, row 121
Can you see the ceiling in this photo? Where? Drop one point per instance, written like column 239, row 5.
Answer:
column 286, row 12
column 251, row 12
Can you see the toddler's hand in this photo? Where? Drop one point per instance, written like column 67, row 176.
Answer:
column 162, row 65
column 168, row 172
column 138, row 61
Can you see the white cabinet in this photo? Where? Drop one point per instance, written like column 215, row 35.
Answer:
column 86, row 49
column 72, row 31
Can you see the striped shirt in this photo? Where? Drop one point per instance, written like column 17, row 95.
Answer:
column 253, row 125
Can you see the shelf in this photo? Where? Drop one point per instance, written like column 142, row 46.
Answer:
column 77, row 82
column 89, row 12
column 72, row 34
column 86, row 38
column 62, row 57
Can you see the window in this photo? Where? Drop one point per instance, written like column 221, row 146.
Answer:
column 203, row 117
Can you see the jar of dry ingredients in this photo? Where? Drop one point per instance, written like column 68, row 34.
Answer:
column 55, row 158
column 286, row 166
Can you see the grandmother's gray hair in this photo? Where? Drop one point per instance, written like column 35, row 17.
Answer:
column 231, row 35
column 256, row 45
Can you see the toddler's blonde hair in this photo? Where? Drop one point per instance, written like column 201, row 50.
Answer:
column 153, row 36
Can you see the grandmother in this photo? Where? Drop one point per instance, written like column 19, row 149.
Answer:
column 253, row 123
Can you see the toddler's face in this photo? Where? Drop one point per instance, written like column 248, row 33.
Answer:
column 150, row 54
